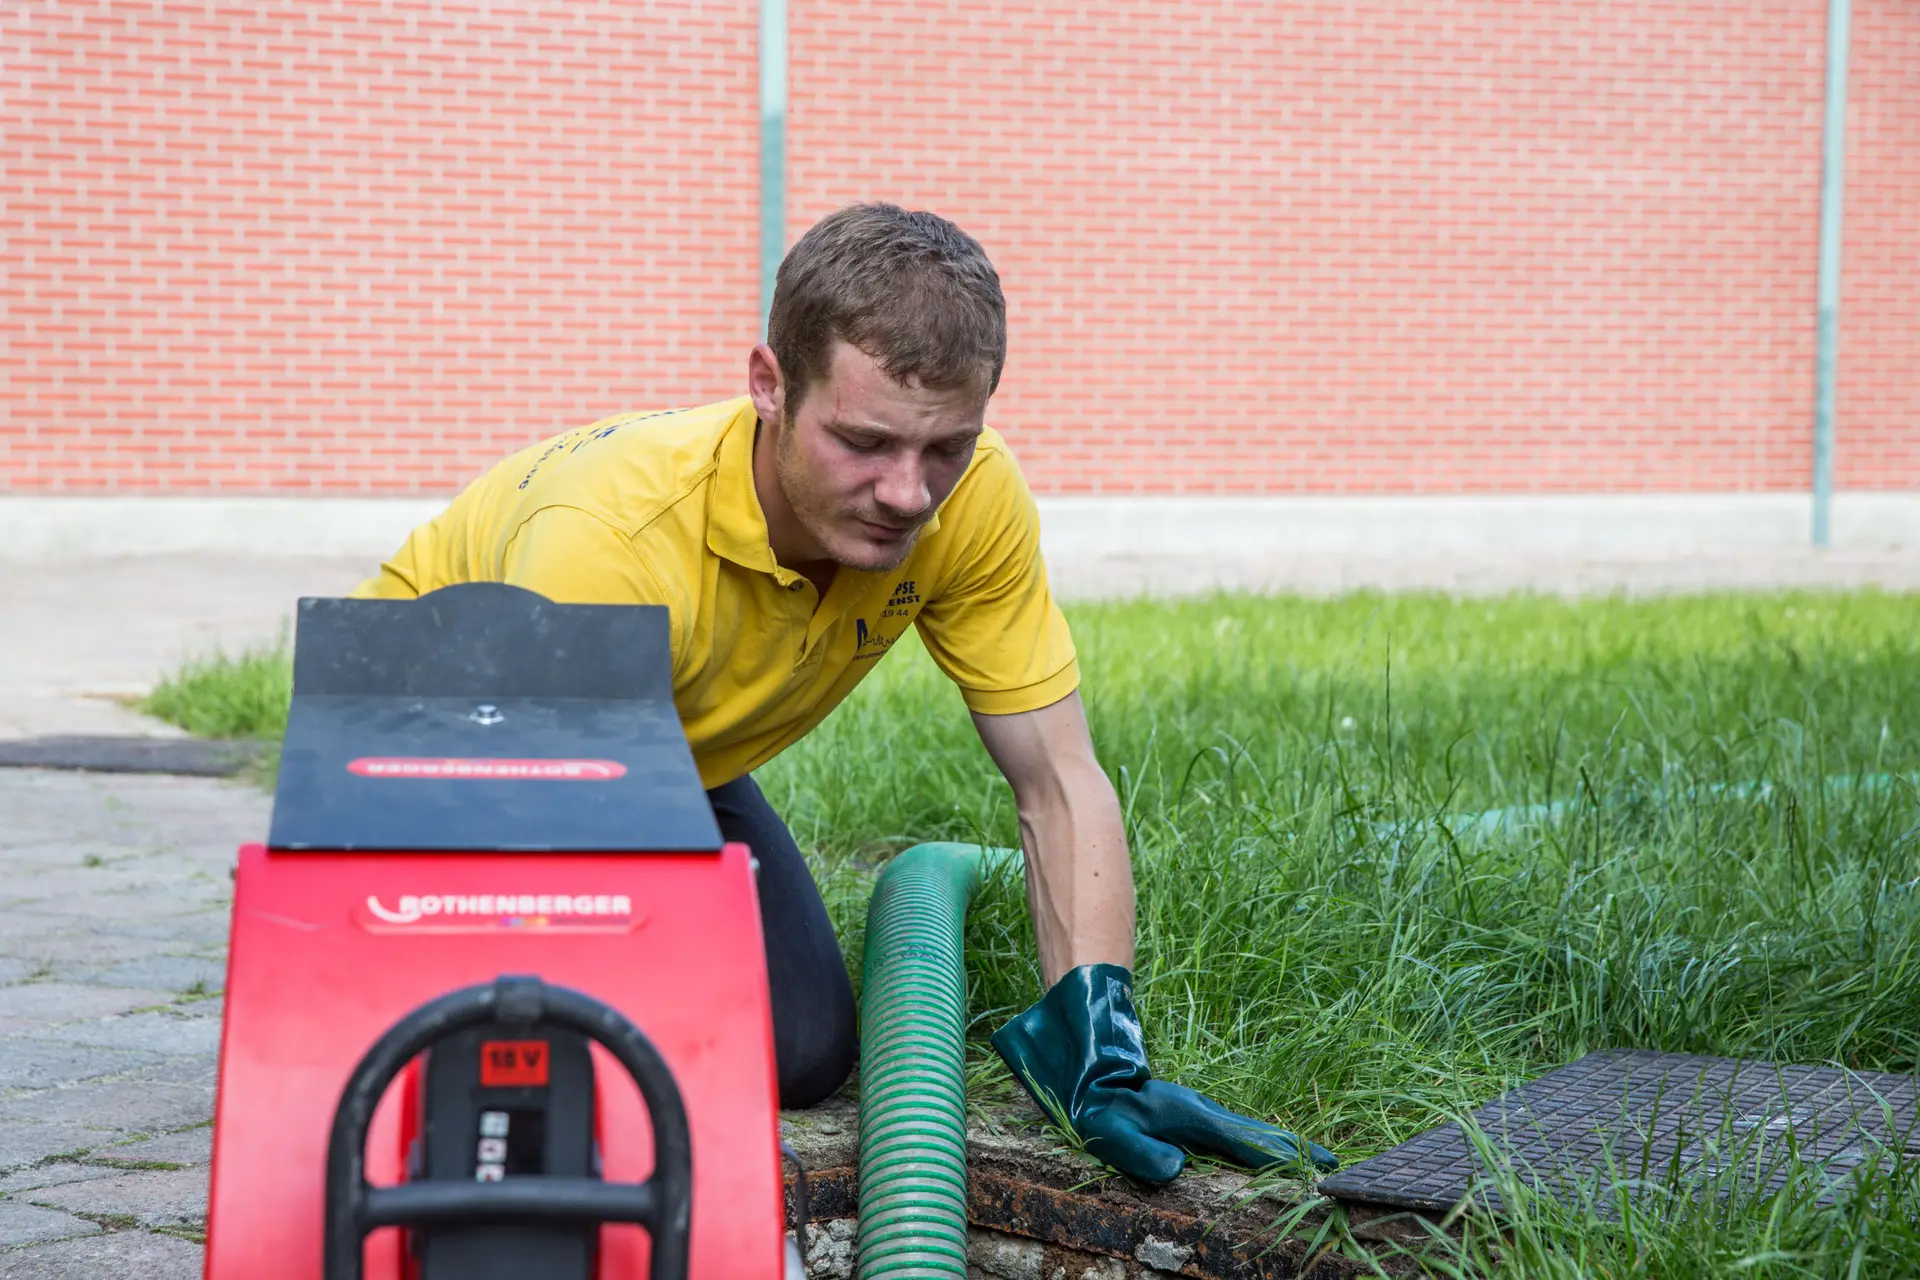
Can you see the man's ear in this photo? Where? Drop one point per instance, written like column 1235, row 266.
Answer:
column 766, row 385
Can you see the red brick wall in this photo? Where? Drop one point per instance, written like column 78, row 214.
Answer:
column 1388, row 245
column 1250, row 245
column 363, row 246
column 1878, row 445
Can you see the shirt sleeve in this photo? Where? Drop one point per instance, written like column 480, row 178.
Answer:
column 992, row 624
column 402, row 574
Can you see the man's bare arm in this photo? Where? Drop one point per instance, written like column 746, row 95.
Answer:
column 1079, row 879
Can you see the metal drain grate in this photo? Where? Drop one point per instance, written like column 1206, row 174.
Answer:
column 1640, row 1119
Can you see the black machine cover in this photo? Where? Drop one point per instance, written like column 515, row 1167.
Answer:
column 485, row 717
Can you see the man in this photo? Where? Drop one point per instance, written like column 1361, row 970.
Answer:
column 793, row 535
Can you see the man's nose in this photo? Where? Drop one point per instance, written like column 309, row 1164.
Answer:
column 902, row 489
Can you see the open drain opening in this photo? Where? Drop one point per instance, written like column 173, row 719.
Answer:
column 1037, row 1210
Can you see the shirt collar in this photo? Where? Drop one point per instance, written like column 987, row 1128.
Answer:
column 736, row 525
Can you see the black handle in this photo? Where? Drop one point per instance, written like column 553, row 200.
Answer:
column 663, row 1204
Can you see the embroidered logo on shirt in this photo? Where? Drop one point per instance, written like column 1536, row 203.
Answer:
column 869, row 644
column 905, row 596
column 572, row 440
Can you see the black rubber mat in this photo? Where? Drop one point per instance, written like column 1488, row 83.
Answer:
column 199, row 757
column 1635, row 1120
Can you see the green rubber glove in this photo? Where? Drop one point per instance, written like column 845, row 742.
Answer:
column 1079, row 1053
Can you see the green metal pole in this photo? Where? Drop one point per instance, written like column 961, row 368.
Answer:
column 773, row 148
column 1833, row 185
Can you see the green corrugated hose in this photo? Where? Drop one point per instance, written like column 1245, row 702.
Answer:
column 913, row 1096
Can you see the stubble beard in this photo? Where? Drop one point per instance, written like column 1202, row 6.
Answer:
column 822, row 520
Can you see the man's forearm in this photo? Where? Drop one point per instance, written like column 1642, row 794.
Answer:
column 1079, row 879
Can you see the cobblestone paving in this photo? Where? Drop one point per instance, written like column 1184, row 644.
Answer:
column 114, row 894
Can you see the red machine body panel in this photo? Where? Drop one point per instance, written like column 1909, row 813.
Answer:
column 330, row 949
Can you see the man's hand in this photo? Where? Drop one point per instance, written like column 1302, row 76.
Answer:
column 1079, row 1051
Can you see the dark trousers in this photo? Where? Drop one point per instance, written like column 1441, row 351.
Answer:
column 814, row 1032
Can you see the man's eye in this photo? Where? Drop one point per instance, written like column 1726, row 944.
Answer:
column 859, row 445
column 955, row 448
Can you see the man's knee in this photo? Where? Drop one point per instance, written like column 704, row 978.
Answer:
column 815, row 1049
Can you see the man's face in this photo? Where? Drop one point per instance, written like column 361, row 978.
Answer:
column 864, row 461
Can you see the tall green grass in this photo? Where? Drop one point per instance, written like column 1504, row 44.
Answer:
column 223, row 695
column 1314, row 950
column 1315, row 947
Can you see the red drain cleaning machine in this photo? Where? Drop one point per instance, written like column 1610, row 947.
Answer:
column 497, row 998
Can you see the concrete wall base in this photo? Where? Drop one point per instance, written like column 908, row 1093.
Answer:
column 1585, row 525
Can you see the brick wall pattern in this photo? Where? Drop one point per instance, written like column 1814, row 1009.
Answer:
column 1878, row 444
column 1250, row 246
column 362, row 247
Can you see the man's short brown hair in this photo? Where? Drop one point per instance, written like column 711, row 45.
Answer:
column 911, row 290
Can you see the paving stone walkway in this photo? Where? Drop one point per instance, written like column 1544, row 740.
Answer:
column 114, row 896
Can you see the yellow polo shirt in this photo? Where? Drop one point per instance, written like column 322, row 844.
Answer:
column 661, row 509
